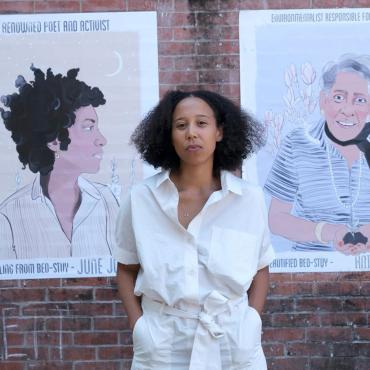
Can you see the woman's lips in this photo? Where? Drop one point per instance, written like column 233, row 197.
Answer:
column 193, row 148
column 98, row 155
column 346, row 123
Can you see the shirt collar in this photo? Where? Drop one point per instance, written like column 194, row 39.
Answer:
column 229, row 182
column 84, row 185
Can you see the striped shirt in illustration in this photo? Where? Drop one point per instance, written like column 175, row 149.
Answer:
column 301, row 175
column 29, row 226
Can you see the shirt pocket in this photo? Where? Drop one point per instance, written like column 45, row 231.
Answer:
column 233, row 256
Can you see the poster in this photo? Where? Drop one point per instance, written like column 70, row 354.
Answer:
column 73, row 88
column 305, row 75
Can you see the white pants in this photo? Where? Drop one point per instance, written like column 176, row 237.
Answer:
column 221, row 336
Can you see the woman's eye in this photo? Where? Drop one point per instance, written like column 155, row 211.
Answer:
column 338, row 98
column 360, row 100
column 180, row 125
column 88, row 128
column 202, row 123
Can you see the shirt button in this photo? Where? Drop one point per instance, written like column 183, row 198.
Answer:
column 191, row 272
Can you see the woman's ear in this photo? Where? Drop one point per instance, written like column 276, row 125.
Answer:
column 54, row 145
column 219, row 134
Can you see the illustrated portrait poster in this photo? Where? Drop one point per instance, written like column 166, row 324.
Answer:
column 305, row 75
column 73, row 88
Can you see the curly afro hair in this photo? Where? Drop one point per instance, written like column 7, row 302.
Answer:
column 242, row 134
column 42, row 112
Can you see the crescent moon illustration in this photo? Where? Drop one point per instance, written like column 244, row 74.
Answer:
column 119, row 67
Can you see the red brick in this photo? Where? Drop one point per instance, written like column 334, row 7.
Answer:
column 95, row 338
column 334, row 363
column 343, row 318
column 175, row 48
column 111, row 323
column 273, row 349
column 283, row 334
column 47, row 309
column 356, row 304
column 294, row 320
column 166, row 63
column 75, row 294
column 362, row 334
column 297, row 289
column 19, row 324
column 231, row 91
column 102, row 365
column 8, row 283
column 166, row 19
column 217, row 47
column 14, row 339
column 91, row 309
column 294, row 363
column 10, row 365
column 69, row 323
column 74, row 353
column 26, row 353
column 40, row 283
column 307, row 349
column 50, row 365
column 115, row 352
column 178, row 77
column 106, row 294
column 279, row 305
column 329, row 334
column 217, row 18
column 144, row 5
column 319, row 304
column 335, row 288
column 8, row 7
column 165, row 33
column 57, row 6
column 21, row 295
column 97, row 281
column 281, row 277
column 50, row 338
column 101, row 5
column 294, row 4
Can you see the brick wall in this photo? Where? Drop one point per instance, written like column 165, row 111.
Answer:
column 312, row 321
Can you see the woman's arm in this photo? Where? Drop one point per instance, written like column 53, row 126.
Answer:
column 126, row 278
column 257, row 293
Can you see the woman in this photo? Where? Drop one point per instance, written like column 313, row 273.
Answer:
column 193, row 239
column 55, row 128
column 320, row 178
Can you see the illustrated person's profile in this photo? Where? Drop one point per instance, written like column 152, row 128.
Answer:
column 320, row 177
column 55, row 128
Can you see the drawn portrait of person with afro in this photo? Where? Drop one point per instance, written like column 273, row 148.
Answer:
column 54, row 124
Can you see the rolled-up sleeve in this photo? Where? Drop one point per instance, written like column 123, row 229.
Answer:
column 125, row 250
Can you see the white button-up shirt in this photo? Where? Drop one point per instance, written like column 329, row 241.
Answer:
column 221, row 250
column 29, row 226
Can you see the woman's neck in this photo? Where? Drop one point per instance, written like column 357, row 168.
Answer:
column 196, row 178
column 64, row 193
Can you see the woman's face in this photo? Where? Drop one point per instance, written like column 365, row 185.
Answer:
column 346, row 106
column 195, row 131
column 85, row 150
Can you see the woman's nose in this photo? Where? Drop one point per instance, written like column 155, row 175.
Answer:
column 191, row 132
column 100, row 139
column 348, row 109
